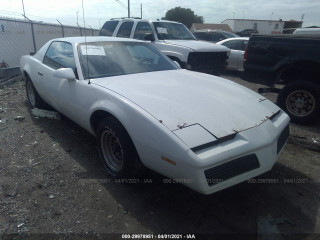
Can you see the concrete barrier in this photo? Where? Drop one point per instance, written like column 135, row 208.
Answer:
column 4, row 82
column 9, row 72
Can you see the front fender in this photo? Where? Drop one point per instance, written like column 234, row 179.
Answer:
column 151, row 138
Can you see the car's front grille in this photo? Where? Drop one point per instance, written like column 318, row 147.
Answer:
column 282, row 139
column 208, row 60
column 231, row 169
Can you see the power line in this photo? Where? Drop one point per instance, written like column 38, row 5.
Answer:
column 122, row 4
column 19, row 14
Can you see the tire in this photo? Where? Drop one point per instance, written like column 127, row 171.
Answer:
column 117, row 152
column 301, row 101
column 34, row 99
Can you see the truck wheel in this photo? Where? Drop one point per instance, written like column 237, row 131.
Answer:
column 301, row 100
column 34, row 98
column 117, row 151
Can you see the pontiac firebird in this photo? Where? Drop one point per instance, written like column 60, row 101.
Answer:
column 145, row 111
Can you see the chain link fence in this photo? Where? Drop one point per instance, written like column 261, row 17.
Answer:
column 20, row 37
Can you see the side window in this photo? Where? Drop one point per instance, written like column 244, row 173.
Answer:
column 235, row 45
column 198, row 35
column 125, row 29
column 215, row 37
column 108, row 28
column 221, row 37
column 142, row 29
column 203, row 36
column 60, row 55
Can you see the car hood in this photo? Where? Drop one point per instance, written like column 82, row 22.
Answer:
column 198, row 46
column 183, row 98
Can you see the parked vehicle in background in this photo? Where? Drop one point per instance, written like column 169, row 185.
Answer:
column 174, row 40
column 247, row 32
column 213, row 35
column 237, row 46
column 307, row 31
column 293, row 61
column 206, row 132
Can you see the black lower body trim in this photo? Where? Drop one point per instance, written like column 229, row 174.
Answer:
column 231, row 169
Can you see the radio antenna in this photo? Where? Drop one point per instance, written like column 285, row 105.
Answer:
column 85, row 41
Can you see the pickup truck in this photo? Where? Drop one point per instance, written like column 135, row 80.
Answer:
column 290, row 61
column 172, row 39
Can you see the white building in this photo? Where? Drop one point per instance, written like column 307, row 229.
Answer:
column 262, row 26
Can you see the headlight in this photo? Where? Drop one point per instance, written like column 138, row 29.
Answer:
column 195, row 136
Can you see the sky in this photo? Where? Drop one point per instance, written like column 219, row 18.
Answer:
column 96, row 12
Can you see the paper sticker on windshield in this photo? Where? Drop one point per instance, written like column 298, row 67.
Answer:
column 92, row 50
column 162, row 30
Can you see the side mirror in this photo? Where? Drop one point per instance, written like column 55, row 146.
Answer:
column 149, row 37
column 178, row 65
column 65, row 73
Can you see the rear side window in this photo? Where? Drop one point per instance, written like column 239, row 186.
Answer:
column 203, row 36
column 125, row 30
column 108, row 28
column 216, row 37
column 60, row 55
column 233, row 44
column 142, row 29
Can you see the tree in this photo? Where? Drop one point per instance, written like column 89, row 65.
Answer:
column 183, row 15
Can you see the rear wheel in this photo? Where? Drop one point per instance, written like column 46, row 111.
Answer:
column 301, row 100
column 117, row 150
column 33, row 96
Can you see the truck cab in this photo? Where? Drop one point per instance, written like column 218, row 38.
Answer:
column 174, row 40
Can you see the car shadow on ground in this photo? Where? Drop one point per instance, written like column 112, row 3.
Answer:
column 173, row 208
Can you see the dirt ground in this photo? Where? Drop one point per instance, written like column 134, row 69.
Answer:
column 52, row 186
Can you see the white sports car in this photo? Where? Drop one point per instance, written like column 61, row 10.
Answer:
column 204, row 131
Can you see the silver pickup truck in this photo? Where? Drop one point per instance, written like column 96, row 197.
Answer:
column 174, row 40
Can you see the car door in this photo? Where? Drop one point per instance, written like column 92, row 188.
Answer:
column 59, row 55
column 236, row 56
column 67, row 96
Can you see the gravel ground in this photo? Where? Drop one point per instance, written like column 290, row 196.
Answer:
column 52, row 186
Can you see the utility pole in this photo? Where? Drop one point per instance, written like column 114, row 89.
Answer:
column 24, row 13
column 77, row 17
column 141, row 9
column 128, row 8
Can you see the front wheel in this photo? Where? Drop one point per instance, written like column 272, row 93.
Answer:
column 117, row 150
column 301, row 101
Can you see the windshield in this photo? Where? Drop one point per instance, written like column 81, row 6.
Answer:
column 105, row 59
column 168, row 30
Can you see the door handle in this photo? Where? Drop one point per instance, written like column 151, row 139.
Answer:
column 39, row 73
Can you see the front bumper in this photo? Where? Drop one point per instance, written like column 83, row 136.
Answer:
column 251, row 153
column 205, row 61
